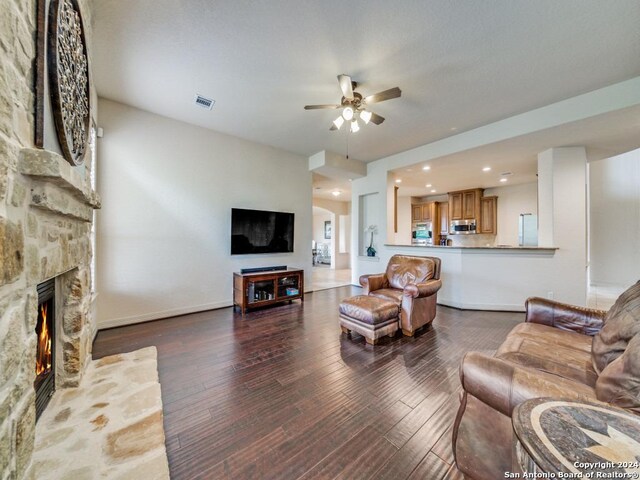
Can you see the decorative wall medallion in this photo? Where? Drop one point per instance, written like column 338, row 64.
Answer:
column 69, row 78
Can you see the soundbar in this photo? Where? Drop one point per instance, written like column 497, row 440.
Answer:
column 263, row 269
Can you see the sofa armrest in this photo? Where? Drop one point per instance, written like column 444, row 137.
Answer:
column 503, row 385
column 425, row 289
column 587, row 321
column 374, row 282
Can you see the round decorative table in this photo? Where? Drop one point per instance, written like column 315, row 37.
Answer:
column 576, row 439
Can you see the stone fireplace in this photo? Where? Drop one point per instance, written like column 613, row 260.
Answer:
column 49, row 254
column 46, row 216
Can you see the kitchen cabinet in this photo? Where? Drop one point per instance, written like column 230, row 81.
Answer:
column 465, row 204
column 489, row 215
column 416, row 213
column 455, row 206
column 423, row 212
column 443, row 215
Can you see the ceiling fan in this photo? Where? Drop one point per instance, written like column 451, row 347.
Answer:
column 354, row 105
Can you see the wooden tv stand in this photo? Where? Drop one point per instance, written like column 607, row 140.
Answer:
column 252, row 290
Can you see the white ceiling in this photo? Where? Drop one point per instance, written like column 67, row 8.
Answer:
column 603, row 136
column 460, row 65
column 323, row 187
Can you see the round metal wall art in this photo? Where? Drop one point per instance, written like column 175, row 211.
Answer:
column 69, row 78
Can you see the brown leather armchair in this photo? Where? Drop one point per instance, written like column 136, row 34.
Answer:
column 413, row 284
column 561, row 351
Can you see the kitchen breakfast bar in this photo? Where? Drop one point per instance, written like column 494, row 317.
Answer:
column 482, row 278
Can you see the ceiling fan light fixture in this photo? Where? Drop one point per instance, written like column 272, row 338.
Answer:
column 338, row 122
column 347, row 113
column 365, row 116
column 354, row 126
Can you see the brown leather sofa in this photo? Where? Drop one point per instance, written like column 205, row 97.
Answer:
column 413, row 284
column 560, row 351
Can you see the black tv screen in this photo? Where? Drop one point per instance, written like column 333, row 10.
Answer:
column 260, row 231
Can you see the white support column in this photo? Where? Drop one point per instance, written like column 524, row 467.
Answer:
column 545, row 198
column 562, row 216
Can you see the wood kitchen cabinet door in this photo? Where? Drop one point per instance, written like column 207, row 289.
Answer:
column 443, row 213
column 489, row 216
column 416, row 213
column 469, row 211
column 455, row 206
column 427, row 215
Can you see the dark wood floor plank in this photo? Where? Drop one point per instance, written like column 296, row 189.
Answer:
column 281, row 393
column 431, row 468
column 369, row 462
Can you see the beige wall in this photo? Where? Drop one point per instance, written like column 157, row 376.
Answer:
column 615, row 220
column 512, row 201
column 164, row 231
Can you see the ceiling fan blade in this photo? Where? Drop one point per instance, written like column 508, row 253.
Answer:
column 317, row 107
column 333, row 127
column 394, row 92
column 346, row 86
column 377, row 119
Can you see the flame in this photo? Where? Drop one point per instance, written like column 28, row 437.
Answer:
column 43, row 359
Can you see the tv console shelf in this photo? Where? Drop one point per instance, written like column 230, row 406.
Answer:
column 258, row 289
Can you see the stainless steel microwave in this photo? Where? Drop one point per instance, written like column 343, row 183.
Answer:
column 462, row 227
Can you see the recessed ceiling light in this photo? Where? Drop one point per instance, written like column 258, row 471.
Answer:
column 336, row 193
column 453, row 129
column 398, row 180
column 351, row 179
column 486, row 169
column 409, row 169
column 503, row 179
column 428, row 185
column 433, row 191
column 426, row 167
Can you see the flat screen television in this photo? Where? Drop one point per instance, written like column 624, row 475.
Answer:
column 260, row 231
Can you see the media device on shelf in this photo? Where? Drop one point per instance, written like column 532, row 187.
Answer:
column 261, row 231
column 275, row 268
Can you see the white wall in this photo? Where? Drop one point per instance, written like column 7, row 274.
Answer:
column 163, row 234
column 512, row 201
column 403, row 235
column 339, row 215
column 318, row 232
column 615, row 220
column 318, row 227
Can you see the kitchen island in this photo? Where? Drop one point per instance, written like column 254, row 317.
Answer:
column 481, row 278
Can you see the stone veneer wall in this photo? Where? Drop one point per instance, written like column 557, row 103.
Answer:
column 46, row 210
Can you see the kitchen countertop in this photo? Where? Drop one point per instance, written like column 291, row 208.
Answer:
column 495, row 247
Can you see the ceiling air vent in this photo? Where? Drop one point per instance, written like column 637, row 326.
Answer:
column 204, row 102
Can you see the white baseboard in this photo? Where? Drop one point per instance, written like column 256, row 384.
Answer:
column 119, row 322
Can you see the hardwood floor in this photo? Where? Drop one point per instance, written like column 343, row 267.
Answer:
column 282, row 394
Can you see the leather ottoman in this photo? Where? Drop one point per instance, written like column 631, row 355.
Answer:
column 372, row 317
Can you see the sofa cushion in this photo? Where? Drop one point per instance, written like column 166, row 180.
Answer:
column 368, row 309
column 557, row 352
column 392, row 294
column 619, row 382
column 621, row 324
column 554, row 336
column 403, row 270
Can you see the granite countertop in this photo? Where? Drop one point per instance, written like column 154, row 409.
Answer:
column 460, row 247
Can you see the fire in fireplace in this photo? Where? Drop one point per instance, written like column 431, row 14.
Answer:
column 45, row 351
